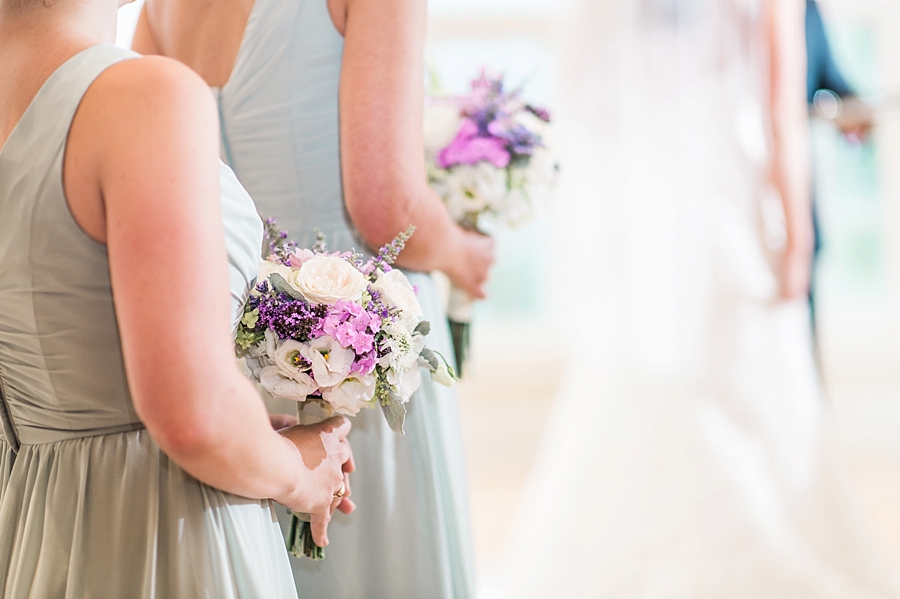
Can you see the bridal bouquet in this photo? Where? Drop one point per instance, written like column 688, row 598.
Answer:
column 336, row 334
column 487, row 160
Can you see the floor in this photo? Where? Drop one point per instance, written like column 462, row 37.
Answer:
column 504, row 406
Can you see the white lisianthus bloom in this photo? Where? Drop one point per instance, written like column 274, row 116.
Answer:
column 331, row 363
column 407, row 382
column 396, row 290
column 273, row 380
column 442, row 121
column 442, row 376
column 351, row 395
column 471, row 189
column 271, row 344
column 328, row 279
column 290, row 359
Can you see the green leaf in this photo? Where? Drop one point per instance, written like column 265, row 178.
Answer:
column 395, row 413
column 282, row 286
column 431, row 357
column 423, row 328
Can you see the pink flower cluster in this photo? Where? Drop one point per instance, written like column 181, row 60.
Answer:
column 353, row 327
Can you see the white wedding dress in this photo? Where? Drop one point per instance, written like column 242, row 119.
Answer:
column 688, row 455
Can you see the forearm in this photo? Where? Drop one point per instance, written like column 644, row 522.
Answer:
column 791, row 160
column 386, row 212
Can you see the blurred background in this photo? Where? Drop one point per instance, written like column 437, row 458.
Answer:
column 858, row 284
column 511, row 382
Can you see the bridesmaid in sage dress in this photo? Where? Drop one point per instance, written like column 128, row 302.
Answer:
column 351, row 165
column 135, row 460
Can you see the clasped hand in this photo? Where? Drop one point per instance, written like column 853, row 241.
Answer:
column 327, row 463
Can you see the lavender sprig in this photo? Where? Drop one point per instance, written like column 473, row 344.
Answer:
column 388, row 254
column 319, row 246
column 276, row 240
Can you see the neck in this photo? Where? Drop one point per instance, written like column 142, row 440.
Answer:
column 61, row 24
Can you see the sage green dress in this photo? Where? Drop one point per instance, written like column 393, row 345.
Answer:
column 90, row 507
column 409, row 537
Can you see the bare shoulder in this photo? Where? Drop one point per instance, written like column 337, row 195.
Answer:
column 142, row 120
column 150, row 87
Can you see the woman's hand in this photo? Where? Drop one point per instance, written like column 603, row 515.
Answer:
column 328, row 460
column 468, row 267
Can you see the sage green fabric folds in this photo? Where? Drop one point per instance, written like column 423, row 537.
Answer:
column 89, row 505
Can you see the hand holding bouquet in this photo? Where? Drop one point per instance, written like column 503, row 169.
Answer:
column 337, row 335
column 487, row 160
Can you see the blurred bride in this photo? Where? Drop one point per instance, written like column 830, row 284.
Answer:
column 689, row 452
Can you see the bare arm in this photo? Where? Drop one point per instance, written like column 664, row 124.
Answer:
column 156, row 169
column 791, row 170
column 381, row 105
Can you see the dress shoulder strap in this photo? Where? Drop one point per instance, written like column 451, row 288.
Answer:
column 41, row 132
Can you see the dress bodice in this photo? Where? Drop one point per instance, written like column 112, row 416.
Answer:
column 279, row 120
column 62, row 375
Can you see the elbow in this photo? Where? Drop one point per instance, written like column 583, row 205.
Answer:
column 183, row 441
column 182, row 431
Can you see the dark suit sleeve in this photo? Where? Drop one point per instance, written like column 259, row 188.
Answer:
column 822, row 71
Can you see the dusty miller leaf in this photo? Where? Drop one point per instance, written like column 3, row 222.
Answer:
column 395, row 413
column 282, row 286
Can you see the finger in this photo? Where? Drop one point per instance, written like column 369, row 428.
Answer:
column 347, row 506
column 346, row 485
column 318, row 526
column 339, row 425
column 349, row 464
column 335, row 503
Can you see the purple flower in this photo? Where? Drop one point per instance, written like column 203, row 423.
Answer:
column 365, row 364
column 469, row 147
column 352, row 326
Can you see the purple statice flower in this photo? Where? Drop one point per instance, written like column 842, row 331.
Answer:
column 287, row 317
column 471, row 147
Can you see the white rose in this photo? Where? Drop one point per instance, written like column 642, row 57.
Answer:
column 278, row 385
column 351, row 395
column 267, row 268
column 396, row 290
column 328, row 279
column 331, row 363
column 442, row 121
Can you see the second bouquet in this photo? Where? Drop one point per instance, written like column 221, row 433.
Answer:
column 337, row 334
